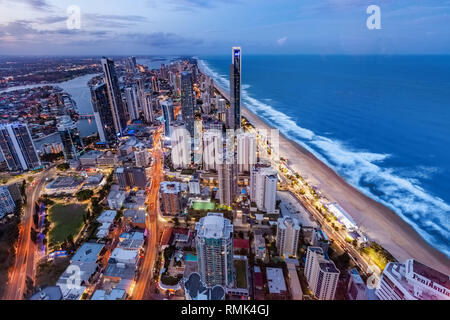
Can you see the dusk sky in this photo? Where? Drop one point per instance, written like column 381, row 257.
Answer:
column 213, row 26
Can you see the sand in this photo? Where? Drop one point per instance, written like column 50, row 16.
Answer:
column 379, row 223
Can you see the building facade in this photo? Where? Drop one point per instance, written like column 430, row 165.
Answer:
column 73, row 146
column 17, row 147
column 321, row 274
column 412, row 280
column 115, row 99
column 214, row 243
column 288, row 232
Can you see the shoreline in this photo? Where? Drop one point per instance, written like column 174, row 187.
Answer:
column 378, row 222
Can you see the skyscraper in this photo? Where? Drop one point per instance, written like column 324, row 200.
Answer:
column 212, row 149
column 214, row 243
column 103, row 113
column 227, row 173
column 263, row 187
column 246, row 151
column 114, row 96
column 147, row 106
column 17, row 147
column 132, row 102
column 321, row 274
column 73, row 147
column 7, row 203
column 187, row 102
column 234, row 121
column 169, row 117
column 181, row 146
column 288, row 232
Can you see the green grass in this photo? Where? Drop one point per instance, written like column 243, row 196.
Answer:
column 203, row 205
column 241, row 274
column 66, row 220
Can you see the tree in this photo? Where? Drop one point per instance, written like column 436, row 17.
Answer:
column 63, row 166
column 84, row 195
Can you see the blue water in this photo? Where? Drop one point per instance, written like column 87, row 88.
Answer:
column 381, row 122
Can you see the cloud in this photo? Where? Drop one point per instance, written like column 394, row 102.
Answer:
column 23, row 35
column 187, row 5
column 282, row 41
column 35, row 4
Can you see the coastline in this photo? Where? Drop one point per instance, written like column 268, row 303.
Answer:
column 377, row 221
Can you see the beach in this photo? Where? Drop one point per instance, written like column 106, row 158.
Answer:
column 378, row 222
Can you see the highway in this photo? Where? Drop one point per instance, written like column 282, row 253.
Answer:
column 139, row 292
column 25, row 261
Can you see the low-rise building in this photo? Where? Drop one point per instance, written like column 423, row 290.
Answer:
column 356, row 288
column 135, row 217
column 171, row 201
column 116, row 199
column 294, row 282
column 276, row 283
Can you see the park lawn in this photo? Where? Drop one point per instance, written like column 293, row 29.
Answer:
column 200, row 205
column 241, row 274
column 66, row 220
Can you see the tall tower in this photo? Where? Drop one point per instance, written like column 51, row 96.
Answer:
column 235, row 90
column 132, row 102
column 288, row 232
column 187, row 102
column 71, row 140
column 115, row 99
column 214, row 243
column 103, row 113
column 227, row 174
column 246, row 151
column 169, row 117
column 212, row 149
column 17, row 147
column 321, row 274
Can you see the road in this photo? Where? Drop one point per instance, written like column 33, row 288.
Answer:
column 152, row 247
column 25, row 262
column 336, row 236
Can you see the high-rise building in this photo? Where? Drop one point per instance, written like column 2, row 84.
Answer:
column 321, row 274
column 288, row 232
column 131, row 65
column 133, row 177
column 169, row 117
column 147, row 106
column 212, row 149
column 7, row 203
column 246, row 151
column 142, row 157
column 132, row 102
column 228, row 183
column 214, row 243
column 17, row 147
column 114, row 96
column 181, row 146
column 263, row 187
column 73, row 147
column 103, row 114
column 187, row 102
column 412, row 280
column 170, row 195
column 234, row 121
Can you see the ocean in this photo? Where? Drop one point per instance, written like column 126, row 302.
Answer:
column 380, row 122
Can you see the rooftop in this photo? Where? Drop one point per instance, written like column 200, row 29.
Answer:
column 275, row 279
column 88, row 252
column 214, row 226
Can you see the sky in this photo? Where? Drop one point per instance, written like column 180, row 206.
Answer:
column 206, row 27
